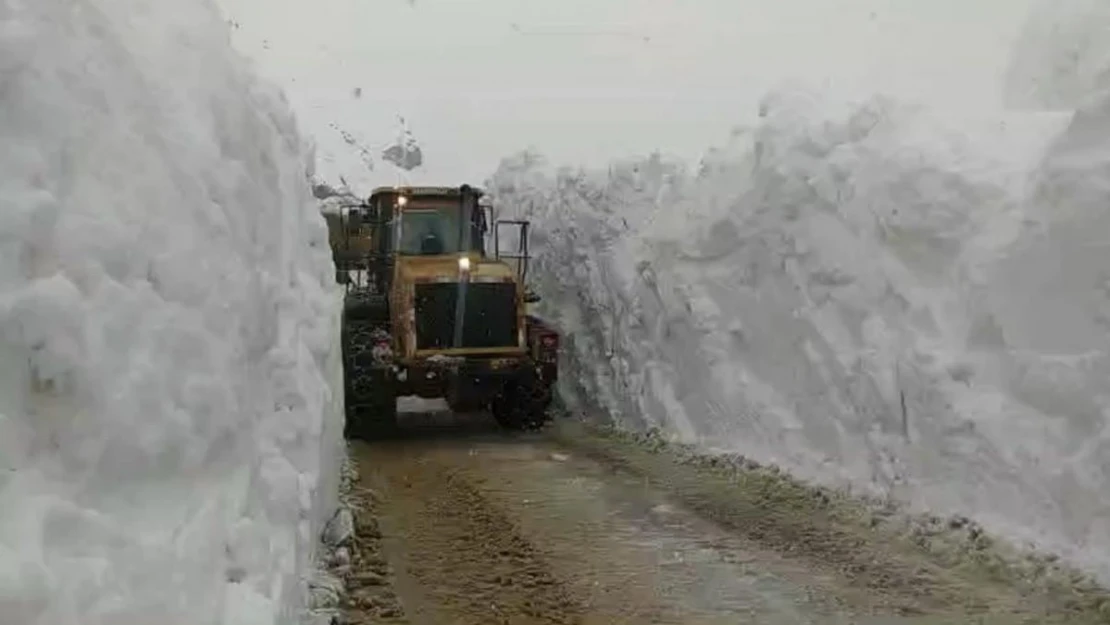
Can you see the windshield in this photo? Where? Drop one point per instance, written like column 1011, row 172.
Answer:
column 429, row 232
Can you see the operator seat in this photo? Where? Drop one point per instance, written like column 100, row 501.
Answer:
column 431, row 244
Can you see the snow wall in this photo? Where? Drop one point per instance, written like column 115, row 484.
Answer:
column 169, row 424
column 1062, row 58
column 864, row 294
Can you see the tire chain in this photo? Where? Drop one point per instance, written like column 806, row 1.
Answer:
column 359, row 342
column 363, row 301
column 361, row 297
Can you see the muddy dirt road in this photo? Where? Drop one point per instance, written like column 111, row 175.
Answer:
column 463, row 524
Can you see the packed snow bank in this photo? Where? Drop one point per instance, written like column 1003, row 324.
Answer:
column 865, row 295
column 168, row 423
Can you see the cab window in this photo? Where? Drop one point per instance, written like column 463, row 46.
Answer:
column 429, row 232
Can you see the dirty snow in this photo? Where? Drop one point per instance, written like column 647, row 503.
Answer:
column 168, row 423
column 869, row 294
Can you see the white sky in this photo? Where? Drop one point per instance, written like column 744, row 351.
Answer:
column 589, row 80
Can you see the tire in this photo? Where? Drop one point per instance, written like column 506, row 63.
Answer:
column 522, row 405
column 372, row 420
column 362, row 306
column 370, row 402
column 371, row 405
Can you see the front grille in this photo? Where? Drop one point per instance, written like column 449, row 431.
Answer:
column 489, row 318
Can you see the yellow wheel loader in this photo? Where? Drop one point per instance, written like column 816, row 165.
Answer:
column 430, row 312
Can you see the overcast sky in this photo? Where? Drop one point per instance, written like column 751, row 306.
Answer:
column 588, row 80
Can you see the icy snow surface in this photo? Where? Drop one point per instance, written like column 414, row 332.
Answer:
column 867, row 294
column 168, row 423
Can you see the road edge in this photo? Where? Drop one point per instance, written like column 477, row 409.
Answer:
column 984, row 575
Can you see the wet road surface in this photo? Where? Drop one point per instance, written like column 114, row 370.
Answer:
column 477, row 526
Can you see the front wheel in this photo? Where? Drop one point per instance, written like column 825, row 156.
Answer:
column 522, row 406
column 375, row 418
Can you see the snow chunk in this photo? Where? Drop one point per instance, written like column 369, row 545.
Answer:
column 405, row 152
column 340, row 529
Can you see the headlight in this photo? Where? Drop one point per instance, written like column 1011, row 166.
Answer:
column 464, row 264
column 402, row 200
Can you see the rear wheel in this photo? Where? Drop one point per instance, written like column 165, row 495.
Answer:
column 522, row 405
column 365, row 306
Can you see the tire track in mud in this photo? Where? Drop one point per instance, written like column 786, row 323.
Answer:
column 475, row 527
column 457, row 558
column 514, row 530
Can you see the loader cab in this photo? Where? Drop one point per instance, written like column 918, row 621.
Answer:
column 407, row 222
column 432, row 221
column 436, row 228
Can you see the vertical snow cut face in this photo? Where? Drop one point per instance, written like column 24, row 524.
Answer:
column 168, row 431
column 1062, row 56
column 864, row 294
